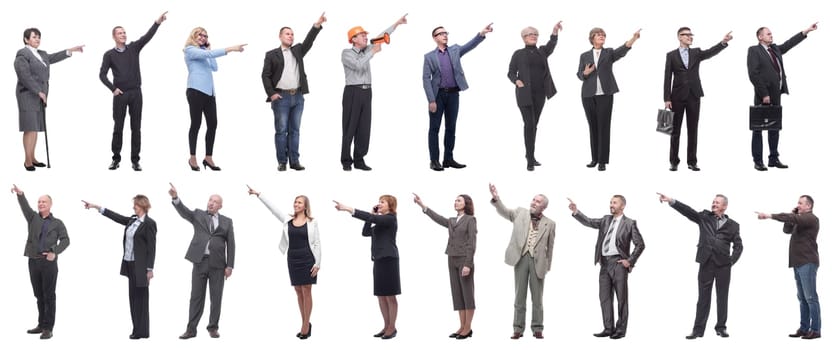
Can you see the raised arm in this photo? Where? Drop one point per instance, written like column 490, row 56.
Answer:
column 28, row 212
column 553, row 40
column 183, row 211
column 151, row 32
column 682, row 208
column 498, row 204
column 313, row 33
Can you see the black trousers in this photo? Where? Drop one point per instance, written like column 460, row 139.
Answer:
column 708, row 273
column 613, row 279
column 44, row 277
column 355, row 122
column 685, row 109
column 201, row 275
column 139, row 303
column 131, row 99
column 531, row 117
column 598, row 111
column 773, row 135
column 199, row 104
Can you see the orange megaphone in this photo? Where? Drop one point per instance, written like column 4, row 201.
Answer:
column 385, row 38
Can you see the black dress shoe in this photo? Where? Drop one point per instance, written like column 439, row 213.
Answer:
column 379, row 334
column 450, row 163
column 47, row 334
column 722, row 333
column 193, row 167
column 530, row 166
column 602, row 167
column 674, row 167
column 465, row 336
column 213, row 333
column 134, row 337
column 39, row 164
column 114, row 165
column 281, row 167
column 137, row 166
column 308, row 333
column 362, row 166
column 538, row 334
column 693, row 336
column 296, row 166
column 29, row 168
column 592, row 164
column 453, row 335
column 811, row 335
column 391, row 335
column 771, row 164
column 434, row 165
column 760, row 167
column 536, row 163
column 605, row 333
column 617, row 335
column 187, row 335
column 38, row 330
column 799, row 333
column 693, row 167
column 347, row 167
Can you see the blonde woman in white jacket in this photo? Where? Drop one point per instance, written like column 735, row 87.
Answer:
column 300, row 241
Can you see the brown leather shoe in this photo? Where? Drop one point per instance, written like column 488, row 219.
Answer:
column 187, row 335
column 213, row 333
column 538, row 334
column 38, row 330
column 516, row 335
column 809, row 335
column 799, row 333
column 47, row 334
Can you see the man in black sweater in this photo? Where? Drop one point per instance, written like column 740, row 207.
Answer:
column 126, row 87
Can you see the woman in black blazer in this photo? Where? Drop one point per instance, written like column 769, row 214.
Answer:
column 139, row 244
column 381, row 225
column 462, row 243
column 595, row 70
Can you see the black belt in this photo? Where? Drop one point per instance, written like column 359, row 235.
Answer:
column 613, row 257
column 361, row 86
column 449, row 90
column 288, row 91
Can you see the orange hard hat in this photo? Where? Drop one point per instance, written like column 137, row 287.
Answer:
column 353, row 32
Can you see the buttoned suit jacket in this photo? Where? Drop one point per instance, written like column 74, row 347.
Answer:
column 761, row 70
column 603, row 70
column 627, row 232
column 680, row 82
column 222, row 247
column 544, row 246
column 144, row 245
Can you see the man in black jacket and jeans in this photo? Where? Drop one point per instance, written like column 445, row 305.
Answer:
column 714, row 253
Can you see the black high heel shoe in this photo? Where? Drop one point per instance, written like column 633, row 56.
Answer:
column 465, row 336
column 193, row 167
column 29, row 168
column 308, row 334
column 213, row 167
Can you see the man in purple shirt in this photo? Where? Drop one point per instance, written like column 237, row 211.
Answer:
column 443, row 79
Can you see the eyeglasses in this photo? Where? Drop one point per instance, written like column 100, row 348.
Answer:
column 205, row 36
column 686, row 34
column 440, row 33
column 530, row 34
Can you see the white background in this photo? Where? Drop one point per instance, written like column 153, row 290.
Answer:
column 260, row 306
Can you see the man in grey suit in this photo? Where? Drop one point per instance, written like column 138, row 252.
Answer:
column 47, row 238
column 612, row 251
column 32, row 68
column 443, row 79
column 212, row 253
column 530, row 252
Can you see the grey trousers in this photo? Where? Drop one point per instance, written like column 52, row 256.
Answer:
column 525, row 278
column 462, row 288
column 201, row 275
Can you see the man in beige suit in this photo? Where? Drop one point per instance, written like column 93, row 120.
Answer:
column 530, row 252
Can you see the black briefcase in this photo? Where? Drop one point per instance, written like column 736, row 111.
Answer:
column 664, row 121
column 765, row 117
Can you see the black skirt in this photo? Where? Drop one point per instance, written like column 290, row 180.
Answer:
column 386, row 280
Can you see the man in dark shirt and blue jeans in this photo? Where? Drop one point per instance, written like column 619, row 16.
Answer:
column 126, row 87
column 803, row 225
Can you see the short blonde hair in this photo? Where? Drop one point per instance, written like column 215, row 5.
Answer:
column 192, row 38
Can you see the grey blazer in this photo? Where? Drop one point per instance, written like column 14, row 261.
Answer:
column 519, row 234
column 57, row 240
column 222, row 240
column 627, row 231
column 32, row 78
column 462, row 235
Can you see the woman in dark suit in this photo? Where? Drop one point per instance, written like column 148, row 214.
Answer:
column 462, row 243
column 595, row 70
column 529, row 72
column 381, row 225
column 32, row 68
column 139, row 245
column 302, row 242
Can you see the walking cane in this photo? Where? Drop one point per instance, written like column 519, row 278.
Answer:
column 46, row 135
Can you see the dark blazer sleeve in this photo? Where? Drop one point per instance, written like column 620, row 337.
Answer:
column 790, row 220
column 120, row 219
column 56, row 57
column 620, row 52
column 513, row 70
column 266, row 75
column 183, row 211
column 668, row 75
column 306, row 45
column 792, row 42
column 375, row 219
column 231, row 246
column 28, row 212
column 736, row 250
column 686, row 211
column 150, row 234
column 583, row 60
column 550, row 45
column 711, row 52
column 63, row 239
column 754, row 71
column 638, row 241
column 586, row 221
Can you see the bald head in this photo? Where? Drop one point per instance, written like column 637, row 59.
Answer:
column 214, row 203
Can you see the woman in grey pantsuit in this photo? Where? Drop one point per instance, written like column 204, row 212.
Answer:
column 462, row 243
column 32, row 68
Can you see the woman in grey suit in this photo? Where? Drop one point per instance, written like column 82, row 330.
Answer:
column 462, row 243
column 32, row 68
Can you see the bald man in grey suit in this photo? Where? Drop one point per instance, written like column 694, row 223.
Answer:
column 530, row 252
column 212, row 253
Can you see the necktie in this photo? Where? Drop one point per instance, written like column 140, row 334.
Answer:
column 211, row 224
column 606, row 246
column 42, row 239
column 685, row 57
column 774, row 60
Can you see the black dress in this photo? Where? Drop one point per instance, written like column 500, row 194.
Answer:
column 299, row 257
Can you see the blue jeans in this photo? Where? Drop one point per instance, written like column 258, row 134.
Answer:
column 287, row 113
column 447, row 103
column 806, row 277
